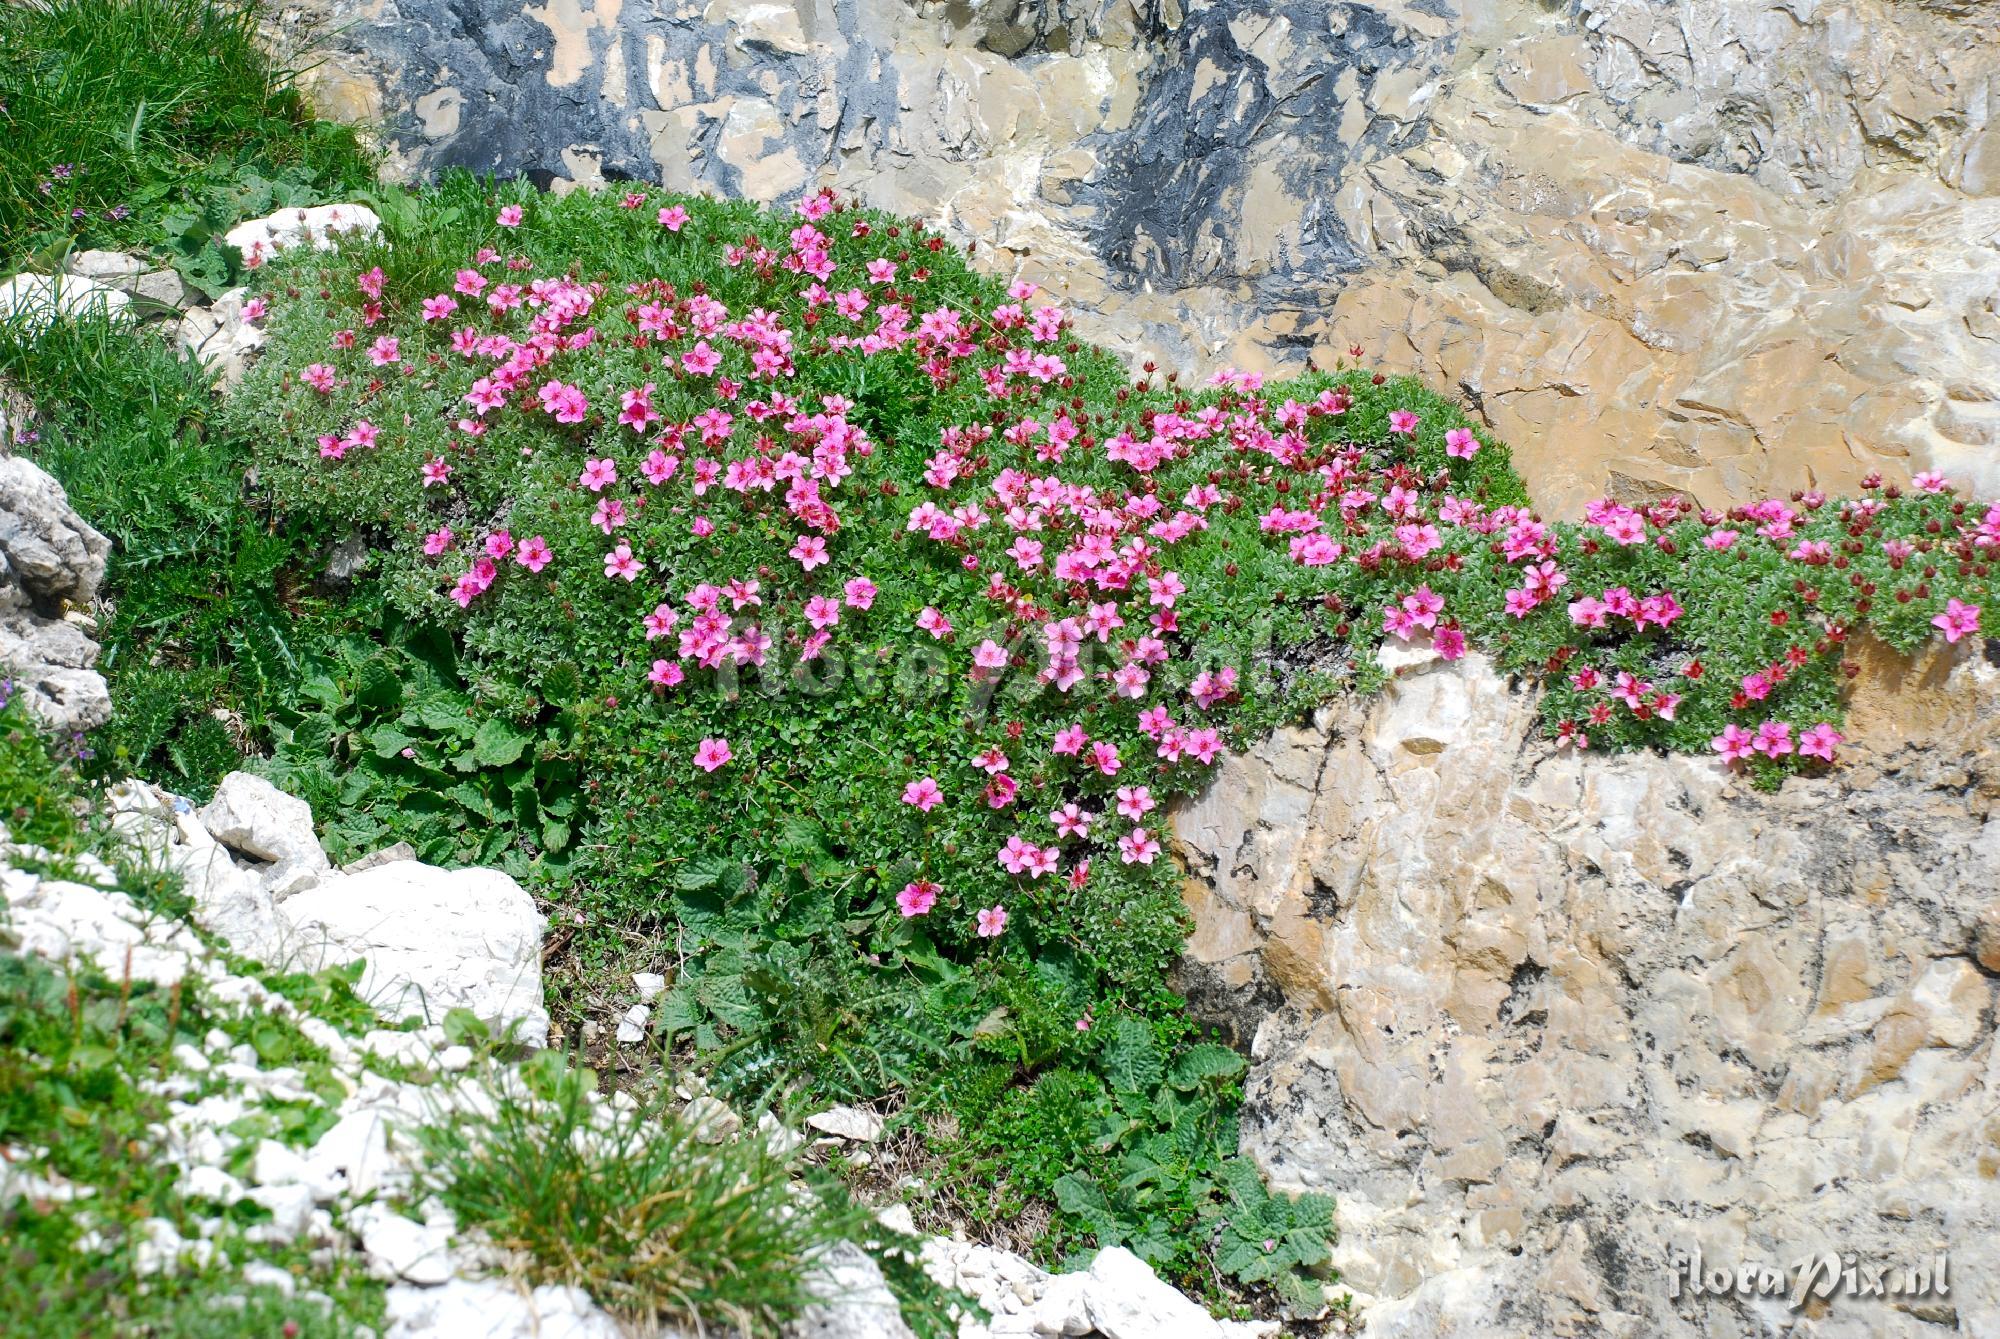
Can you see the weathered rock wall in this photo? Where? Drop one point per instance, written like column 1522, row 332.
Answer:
column 1546, row 1022
column 1723, row 246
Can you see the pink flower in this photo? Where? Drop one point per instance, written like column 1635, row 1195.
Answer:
column 924, row 793
column 1460, row 442
column 534, row 554
column 992, row 921
column 711, row 754
column 666, row 673
column 564, row 401
column 436, row 471
column 1072, row 821
column 620, row 563
column 1137, row 847
column 598, row 473
column 1734, row 743
column 1070, row 740
column 1104, row 757
column 881, row 272
column 1017, row 856
column 1958, row 620
column 509, row 216
column 990, row 655
column 438, row 307
column 660, row 622
column 1402, row 422
column 1449, row 643
column 319, row 376
column 1135, row 802
column 917, row 898
column 385, row 350
column 933, row 622
column 1774, row 739
column 822, row 612
column 1820, row 741
column 860, row 593
column 437, row 541
column 499, row 544
column 255, row 309
column 673, row 218
column 810, row 550
column 701, row 359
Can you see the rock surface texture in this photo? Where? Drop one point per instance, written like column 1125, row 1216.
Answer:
column 1546, row 1024
column 51, row 562
column 1720, row 246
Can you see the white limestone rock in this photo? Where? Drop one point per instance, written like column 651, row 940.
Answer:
column 495, row 1309
column 39, row 300
column 320, row 227
column 254, row 817
column 434, row 940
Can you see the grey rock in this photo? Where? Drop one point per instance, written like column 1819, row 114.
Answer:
column 854, row 1301
column 50, row 559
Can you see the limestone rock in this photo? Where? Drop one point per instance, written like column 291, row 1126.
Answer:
column 36, row 300
column 1127, row 1300
column 251, row 816
column 434, row 940
column 1544, row 1024
column 50, row 561
column 220, row 337
column 496, row 1309
column 320, row 227
column 850, row 1123
column 854, row 1299
column 1711, row 246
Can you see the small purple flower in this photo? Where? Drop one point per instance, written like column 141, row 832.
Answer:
column 78, row 213
column 61, row 171
column 121, row 212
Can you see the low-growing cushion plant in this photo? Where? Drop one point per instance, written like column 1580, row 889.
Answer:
column 883, row 617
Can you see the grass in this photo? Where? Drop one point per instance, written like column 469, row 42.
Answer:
column 209, row 614
column 153, row 124
column 632, row 1205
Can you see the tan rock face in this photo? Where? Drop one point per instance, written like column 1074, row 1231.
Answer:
column 1546, row 1023
column 1727, row 247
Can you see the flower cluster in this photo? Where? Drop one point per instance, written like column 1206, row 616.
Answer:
column 799, row 451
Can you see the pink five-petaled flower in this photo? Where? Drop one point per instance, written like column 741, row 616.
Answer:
column 810, row 550
column 437, row 470
column 917, row 898
column 620, row 563
column 1018, row 856
column 924, row 793
column 860, row 593
column 1449, row 643
column 1135, row 802
column 1072, row 821
column 1958, row 620
column 533, row 554
column 933, row 622
column 666, row 673
column 1460, row 443
column 1734, row 743
column 598, row 472
column 673, row 218
column 990, row 655
column 1819, row 742
column 1138, row 847
column 565, row 402
column 1402, row 422
column 509, row 216
column 711, row 754
column 437, row 541
column 1070, row 740
column 1774, row 739
column 992, row 921
column 385, row 350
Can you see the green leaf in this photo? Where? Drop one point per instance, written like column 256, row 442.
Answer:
column 498, row 742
